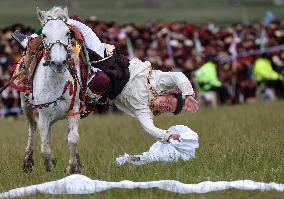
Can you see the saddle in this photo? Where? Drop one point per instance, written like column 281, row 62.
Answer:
column 28, row 63
column 33, row 56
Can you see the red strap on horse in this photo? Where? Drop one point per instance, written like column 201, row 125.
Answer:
column 46, row 105
column 71, row 114
column 73, row 97
column 76, row 82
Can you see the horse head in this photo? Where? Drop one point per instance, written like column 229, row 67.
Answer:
column 56, row 38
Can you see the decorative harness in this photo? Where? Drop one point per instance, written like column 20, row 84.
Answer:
column 72, row 70
column 44, row 51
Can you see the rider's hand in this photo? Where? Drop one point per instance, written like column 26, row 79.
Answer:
column 174, row 136
column 190, row 104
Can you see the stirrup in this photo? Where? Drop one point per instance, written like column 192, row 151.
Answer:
column 21, row 38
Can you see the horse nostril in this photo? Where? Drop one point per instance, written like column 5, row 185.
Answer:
column 59, row 64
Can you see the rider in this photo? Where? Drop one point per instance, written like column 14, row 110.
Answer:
column 133, row 86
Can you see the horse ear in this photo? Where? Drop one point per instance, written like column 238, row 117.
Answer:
column 40, row 14
column 66, row 12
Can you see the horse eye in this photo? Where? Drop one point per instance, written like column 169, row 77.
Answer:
column 43, row 35
column 68, row 34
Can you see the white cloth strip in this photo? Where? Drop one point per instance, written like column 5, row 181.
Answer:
column 79, row 184
column 167, row 152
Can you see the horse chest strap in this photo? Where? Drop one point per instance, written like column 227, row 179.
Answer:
column 54, row 102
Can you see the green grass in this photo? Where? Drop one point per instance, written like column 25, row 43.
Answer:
column 125, row 11
column 236, row 142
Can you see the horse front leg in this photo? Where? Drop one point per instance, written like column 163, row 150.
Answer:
column 45, row 134
column 72, row 139
column 28, row 161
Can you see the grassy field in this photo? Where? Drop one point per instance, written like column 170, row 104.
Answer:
column 237, row 142
column 122, row 11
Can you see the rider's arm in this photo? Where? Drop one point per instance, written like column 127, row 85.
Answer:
column 168, row 80
column 92, row 41
column 146, row 121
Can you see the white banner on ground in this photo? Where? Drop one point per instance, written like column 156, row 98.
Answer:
column 79, row 184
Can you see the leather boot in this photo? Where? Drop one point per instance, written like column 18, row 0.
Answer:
column 21, row 38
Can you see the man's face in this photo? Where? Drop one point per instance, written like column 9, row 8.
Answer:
column 165, row 103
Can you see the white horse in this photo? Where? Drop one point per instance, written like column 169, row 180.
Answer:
column 50, row 79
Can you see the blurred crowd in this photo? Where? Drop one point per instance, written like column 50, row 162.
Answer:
column 181, row 46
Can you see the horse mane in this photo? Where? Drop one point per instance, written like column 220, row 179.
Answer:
column 55, row 12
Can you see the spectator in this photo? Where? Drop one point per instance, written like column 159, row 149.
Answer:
column 207, row 79
column 266, row 76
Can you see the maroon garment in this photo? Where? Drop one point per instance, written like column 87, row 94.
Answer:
column 116, row 68
column 99, row 83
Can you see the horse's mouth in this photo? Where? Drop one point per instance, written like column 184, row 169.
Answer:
column 58, row 68
column 59, row 71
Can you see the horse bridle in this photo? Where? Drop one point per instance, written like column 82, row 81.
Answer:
column 47, row 47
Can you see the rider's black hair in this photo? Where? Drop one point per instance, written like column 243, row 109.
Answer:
column 180, row 102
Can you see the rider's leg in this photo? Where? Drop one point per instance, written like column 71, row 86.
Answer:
column 21, row 38
column 92, row 40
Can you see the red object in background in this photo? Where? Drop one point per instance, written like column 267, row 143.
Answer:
column 169, row 26
column 190, row 28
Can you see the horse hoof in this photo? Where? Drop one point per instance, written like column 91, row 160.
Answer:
column 50, row 164
column 28, row 166
column 28, row 162
column 73, row 169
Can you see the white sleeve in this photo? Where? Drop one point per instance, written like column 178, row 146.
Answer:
column 146, row 121
column 167, row 80
column 92, row 41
